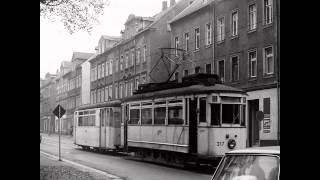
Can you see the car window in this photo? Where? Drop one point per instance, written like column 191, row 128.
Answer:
column 248, row 167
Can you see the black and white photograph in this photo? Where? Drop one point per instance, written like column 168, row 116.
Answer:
column 160, row 89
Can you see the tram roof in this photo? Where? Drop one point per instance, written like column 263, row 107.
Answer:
column 189, row 90
column 114, row 103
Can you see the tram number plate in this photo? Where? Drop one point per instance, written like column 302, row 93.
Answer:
column 220, row 143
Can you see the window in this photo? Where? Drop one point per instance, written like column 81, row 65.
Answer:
column 231, row 114
column 252, row 17
column 127, row 61
column 137, row 83
column 208, row 68
column 221, row 70
column 121, row 90
column 234, row 68
column 116, row 91
column 110, row 91
column 234, row 23
column 107, row 68
column 186, row 37
column 98, row 95
column 176, row 75
column 116, row 69
column 186, row 72
column 268, row 60
column 132, row 57
column 99, row 71
column 220, row 29
column 102, row 95
column 208, row 34
column 146, row 115
column 197, row 38
column 111, row 67
column 121, row 63
column 106, row 93
column 131, row 88
column 144, row 53
column 197, row 70
column 203, row 110
column 176, row 45
column 126, row 89
column 267, row 12
column 266, row 108
column 252, row 64
column 138, row 56
column 94, row 97
column 175, row 114
column 134, row 116
column 215, row 114
column 159, row 112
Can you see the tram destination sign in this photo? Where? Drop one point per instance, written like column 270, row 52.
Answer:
column 59, row 109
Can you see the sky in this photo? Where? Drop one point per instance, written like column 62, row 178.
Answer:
column 57, row 45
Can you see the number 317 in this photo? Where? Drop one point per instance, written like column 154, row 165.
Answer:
column 220, row 143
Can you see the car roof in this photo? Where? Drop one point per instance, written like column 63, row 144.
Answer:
column 257, row 150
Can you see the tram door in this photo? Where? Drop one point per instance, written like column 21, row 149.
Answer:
column 193, row 126
column 102, row 128
column 125, row 122
column 253, row 123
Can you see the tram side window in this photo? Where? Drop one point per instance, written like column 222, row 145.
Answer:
column 80, row 121
column 230, row 114
column 175, row 115
column 159, row 115
column 215, row 114
column 146, row 116
column 134, row 116
column 203, row 113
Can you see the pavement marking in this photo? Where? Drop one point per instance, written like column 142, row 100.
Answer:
column 53, row 157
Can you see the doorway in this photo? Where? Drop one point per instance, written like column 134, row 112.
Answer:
column 193, row 126
column 254, row 124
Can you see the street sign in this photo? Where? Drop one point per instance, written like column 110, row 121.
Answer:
column 59, row 111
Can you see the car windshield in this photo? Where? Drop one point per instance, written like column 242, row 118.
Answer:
column 248, row 167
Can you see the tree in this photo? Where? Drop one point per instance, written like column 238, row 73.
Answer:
column 74, row 14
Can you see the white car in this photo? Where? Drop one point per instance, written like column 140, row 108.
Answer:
column 258, row 163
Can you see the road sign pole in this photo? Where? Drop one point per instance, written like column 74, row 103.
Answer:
column 59, row 136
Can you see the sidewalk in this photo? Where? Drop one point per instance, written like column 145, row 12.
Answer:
column 51, row 169
column 57, row 135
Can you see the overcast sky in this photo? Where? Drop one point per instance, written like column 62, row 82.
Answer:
column 57, row 45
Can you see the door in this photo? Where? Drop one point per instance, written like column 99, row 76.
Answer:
column 193, row 126
column 102, row 128
column 253, row 123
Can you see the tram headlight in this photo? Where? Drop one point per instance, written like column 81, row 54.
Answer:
column 232, row 144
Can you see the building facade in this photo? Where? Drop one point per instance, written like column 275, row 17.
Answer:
column 239, row 41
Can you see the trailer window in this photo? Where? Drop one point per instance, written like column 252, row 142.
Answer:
column 203, row 102
column 215, row 114
column 230, row 113
column 134, row 116
column 159, row 115
column 146, row 116
column 175, row 115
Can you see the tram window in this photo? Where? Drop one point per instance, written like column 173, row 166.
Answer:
column 159, row 115
column 230, row 114
column 80, row 121
column 134, row 116
column 215, row 114
column 175, row 115
column 203, row 109
column 146, row 116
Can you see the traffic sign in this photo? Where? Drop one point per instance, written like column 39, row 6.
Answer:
column 59, row 111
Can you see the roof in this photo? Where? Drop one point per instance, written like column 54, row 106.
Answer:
column 114, row 103
column 258, row 150
column 81, row 55
column 195, row 6
column 194, row 89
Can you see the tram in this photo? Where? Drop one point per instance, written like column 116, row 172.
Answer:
column 196, row 120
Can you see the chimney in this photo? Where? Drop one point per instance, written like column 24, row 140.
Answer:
column 172, row 2
column 164, row 5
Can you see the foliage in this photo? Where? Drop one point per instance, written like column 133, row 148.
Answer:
column 74, row 14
